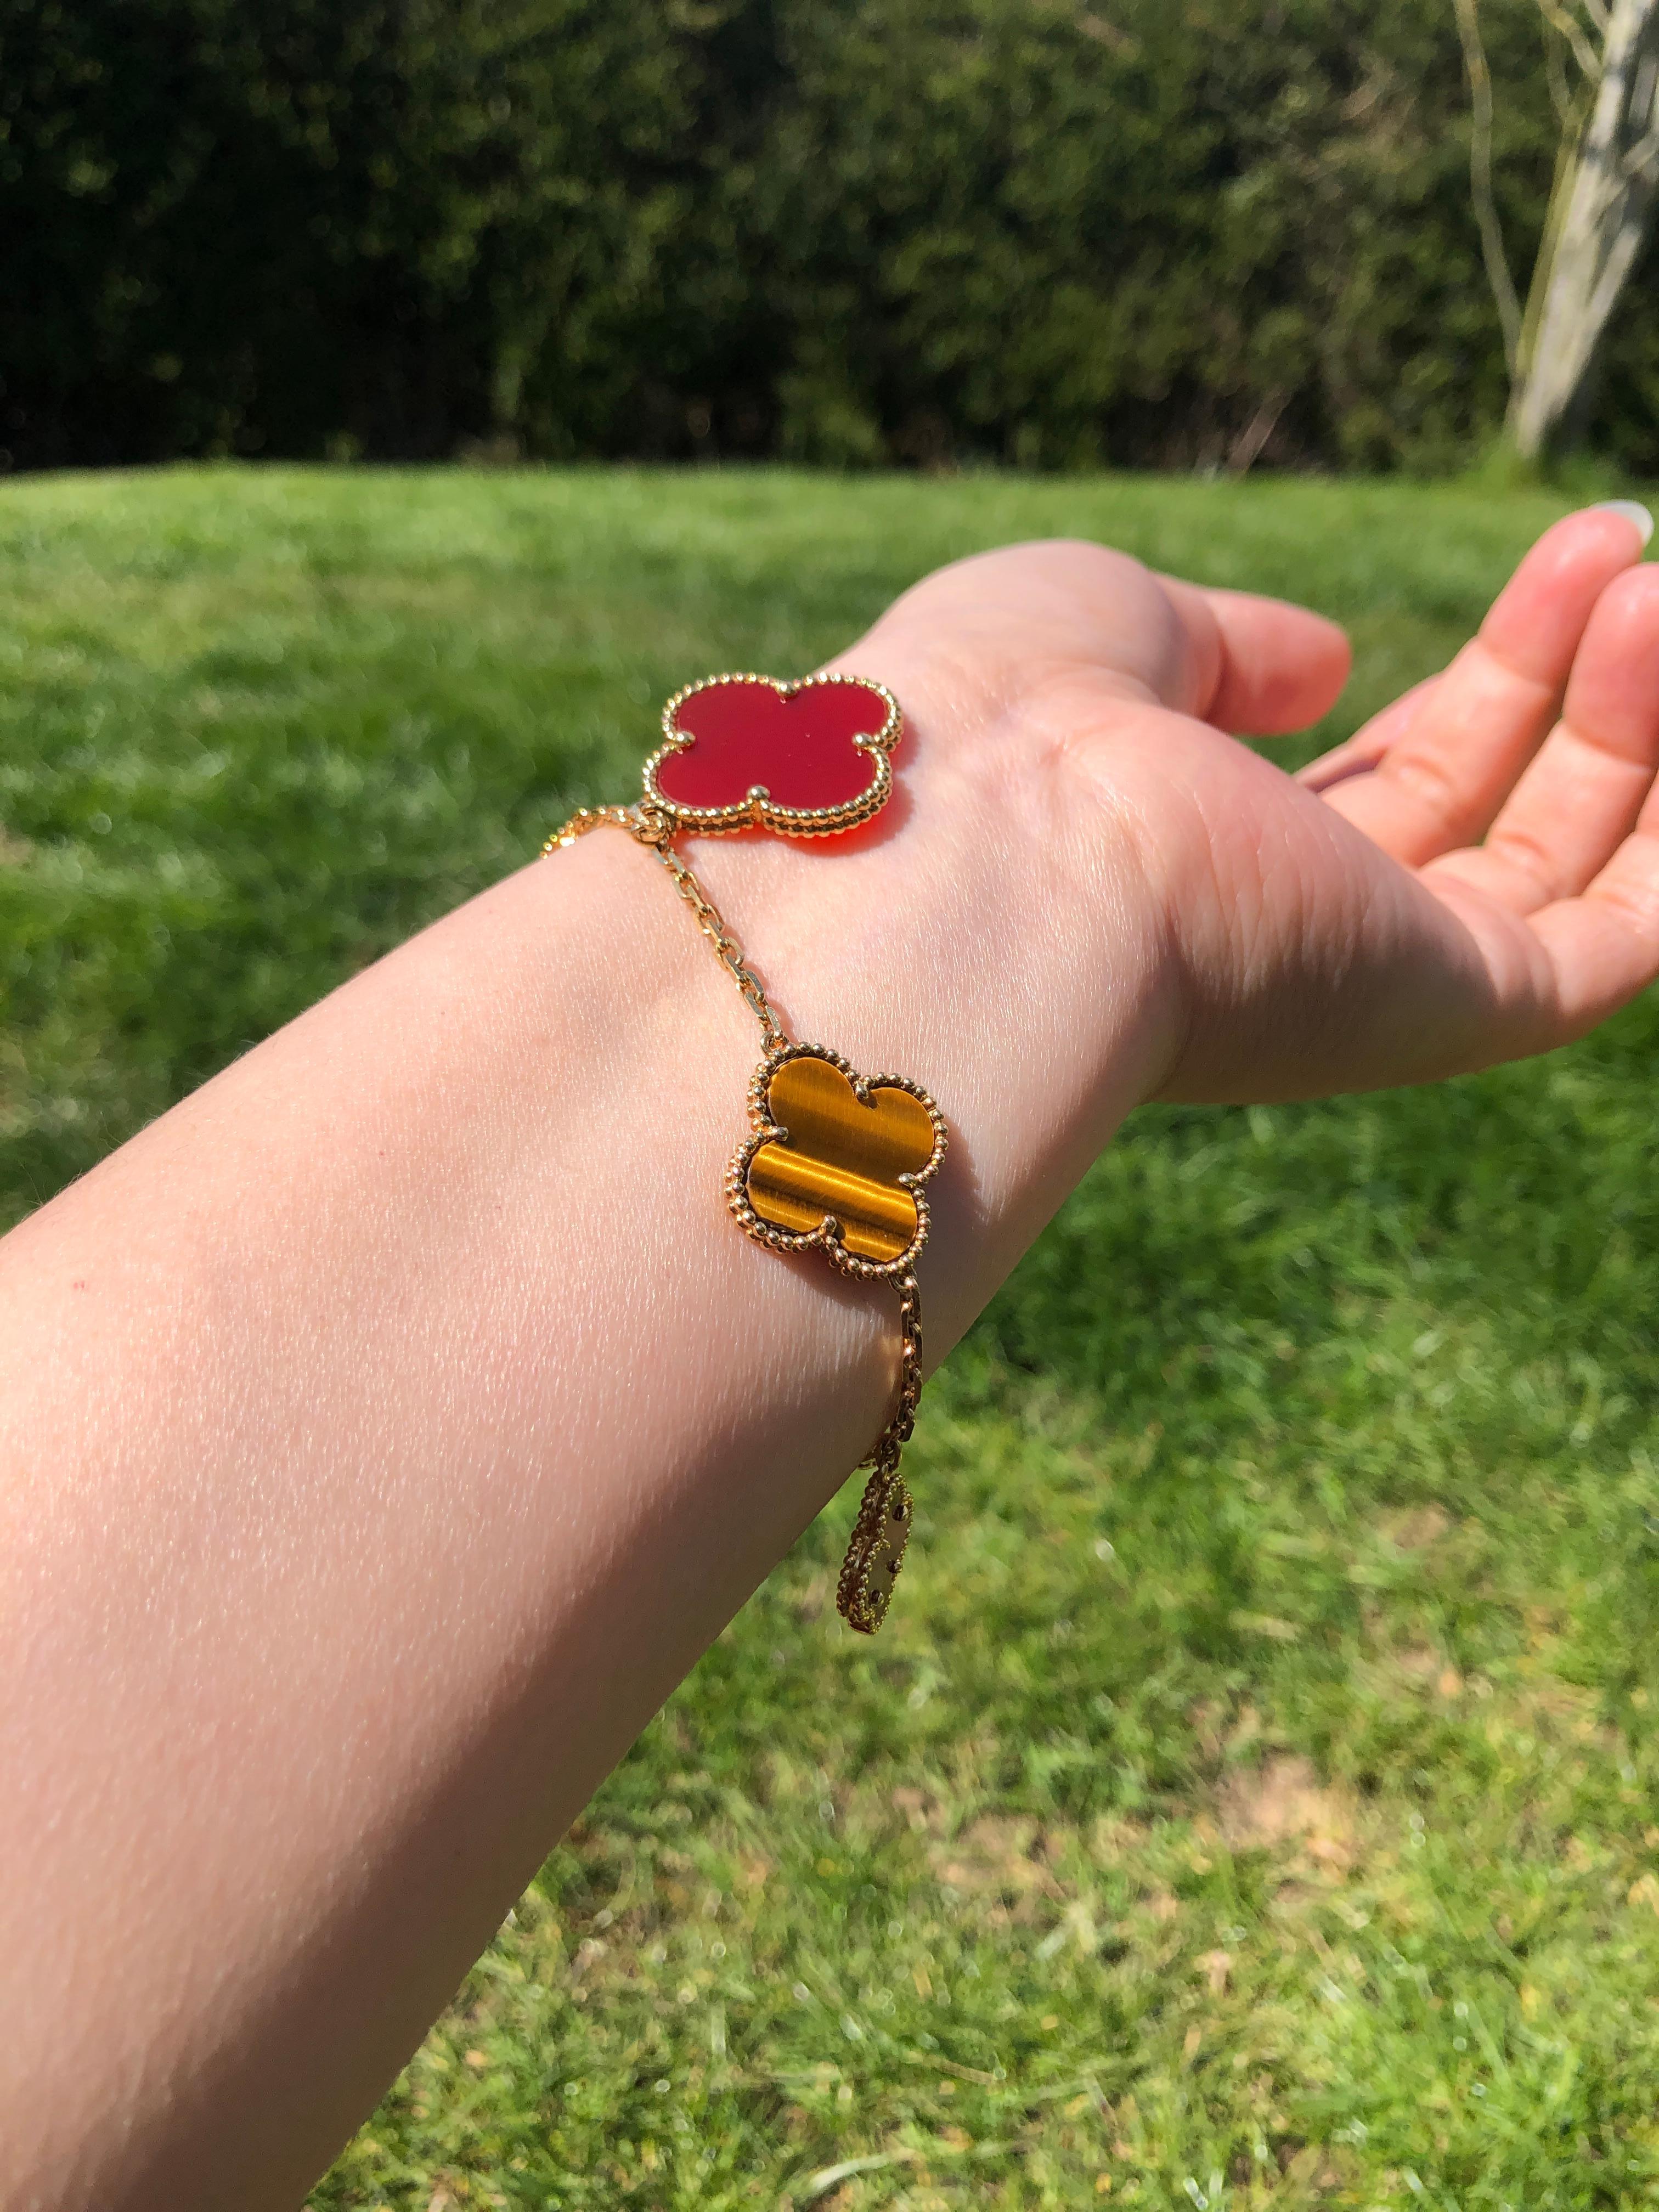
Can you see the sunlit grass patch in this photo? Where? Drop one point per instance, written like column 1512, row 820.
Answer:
column 1252, row 1800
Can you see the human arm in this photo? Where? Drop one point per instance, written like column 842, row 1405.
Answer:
column 421, row 1415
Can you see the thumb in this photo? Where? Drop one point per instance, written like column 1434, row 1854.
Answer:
column 1260, row 667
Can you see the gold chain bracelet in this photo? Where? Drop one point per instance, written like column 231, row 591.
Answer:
column 834, row 1161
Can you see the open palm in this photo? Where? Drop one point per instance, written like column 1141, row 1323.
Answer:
column 1471, row 877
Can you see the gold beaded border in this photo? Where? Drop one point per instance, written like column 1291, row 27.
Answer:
column 826, row 1237
column 862, row 1596
column 755, row 809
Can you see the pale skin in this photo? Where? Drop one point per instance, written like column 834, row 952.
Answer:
column 388, row 1428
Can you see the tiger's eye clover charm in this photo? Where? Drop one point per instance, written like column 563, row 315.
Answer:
column 835, row 1162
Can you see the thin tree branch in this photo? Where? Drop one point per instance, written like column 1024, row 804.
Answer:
column 1555, row 71
column 1566, row 24
column 1246, row 448
column 1480, row 190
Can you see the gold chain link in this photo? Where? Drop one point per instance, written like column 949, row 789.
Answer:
column 884, row 1453
column 652, row 830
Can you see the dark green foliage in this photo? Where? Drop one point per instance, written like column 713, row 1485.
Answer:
column 850, row 231
column 290, row 225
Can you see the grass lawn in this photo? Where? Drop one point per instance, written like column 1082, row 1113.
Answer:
column 1252, row 1802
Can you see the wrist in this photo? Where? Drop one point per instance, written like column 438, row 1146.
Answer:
column 998, row 939
column 1046, row 1047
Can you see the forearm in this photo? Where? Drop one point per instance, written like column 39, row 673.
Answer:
column 389, row 1428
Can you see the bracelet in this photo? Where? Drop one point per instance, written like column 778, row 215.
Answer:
column 834, row 1161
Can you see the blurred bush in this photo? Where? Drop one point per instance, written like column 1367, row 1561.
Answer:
column 1155, row 231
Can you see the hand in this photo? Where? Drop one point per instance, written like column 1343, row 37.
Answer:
column 1490, row 885
column 1338, row 931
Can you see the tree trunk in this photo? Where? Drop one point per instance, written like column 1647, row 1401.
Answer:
column 1597, row 225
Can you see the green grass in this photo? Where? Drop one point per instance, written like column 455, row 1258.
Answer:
column 1251, row 1803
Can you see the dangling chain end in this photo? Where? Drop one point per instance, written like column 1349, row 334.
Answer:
column 881, row 1533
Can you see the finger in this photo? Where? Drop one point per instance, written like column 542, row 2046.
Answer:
column 1584, row 793
column 1357, row 754
column 1259, row 667
column 1444, row 781
column 1604, row 947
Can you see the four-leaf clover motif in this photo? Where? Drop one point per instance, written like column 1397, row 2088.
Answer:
column 836, row 1161
column 804, row 760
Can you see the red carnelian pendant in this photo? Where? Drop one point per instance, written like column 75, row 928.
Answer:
column 803, row 759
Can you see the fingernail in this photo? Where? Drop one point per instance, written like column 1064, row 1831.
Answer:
column 1632, row 510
